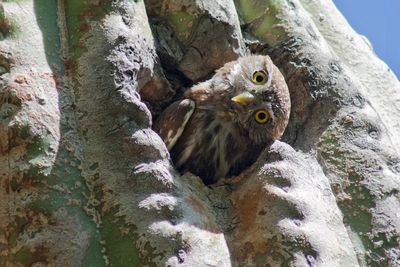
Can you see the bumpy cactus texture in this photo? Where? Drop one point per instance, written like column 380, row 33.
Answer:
column 85, row 181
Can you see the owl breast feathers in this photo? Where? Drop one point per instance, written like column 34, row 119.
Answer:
column 223, row 124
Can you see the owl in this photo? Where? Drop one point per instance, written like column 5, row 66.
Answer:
column 223, row 124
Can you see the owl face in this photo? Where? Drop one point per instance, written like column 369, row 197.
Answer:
column 256, row 98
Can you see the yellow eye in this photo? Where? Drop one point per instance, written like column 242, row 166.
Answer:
column 262, row 116
column 259, row 77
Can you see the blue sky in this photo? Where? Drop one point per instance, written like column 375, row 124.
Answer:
column 380, row 22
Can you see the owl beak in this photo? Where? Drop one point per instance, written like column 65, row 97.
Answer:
column 244, row 98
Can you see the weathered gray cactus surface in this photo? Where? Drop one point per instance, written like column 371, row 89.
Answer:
column 86, row 182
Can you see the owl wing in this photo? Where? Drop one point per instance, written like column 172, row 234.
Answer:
column 172, row 121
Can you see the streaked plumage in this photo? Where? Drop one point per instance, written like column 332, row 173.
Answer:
column 223, row 124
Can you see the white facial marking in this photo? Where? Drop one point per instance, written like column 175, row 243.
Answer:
column 236, row 70
column 270, row 110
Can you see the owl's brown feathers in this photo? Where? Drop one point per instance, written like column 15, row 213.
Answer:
column 223, row 124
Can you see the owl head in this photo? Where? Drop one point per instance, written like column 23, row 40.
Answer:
column 258, row 96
